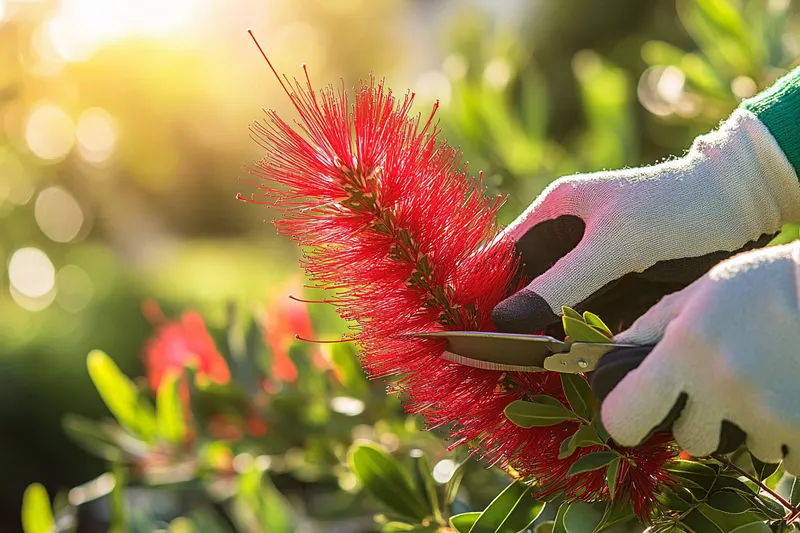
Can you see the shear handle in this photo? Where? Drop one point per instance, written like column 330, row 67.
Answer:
column 615, row 365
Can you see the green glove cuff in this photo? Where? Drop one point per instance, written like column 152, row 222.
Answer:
column 779, row 109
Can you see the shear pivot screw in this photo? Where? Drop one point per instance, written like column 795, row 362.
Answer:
column 563, row 363
column 582, row 363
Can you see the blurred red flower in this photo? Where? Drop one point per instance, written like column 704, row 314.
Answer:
column 176, row 345
column 283, row 320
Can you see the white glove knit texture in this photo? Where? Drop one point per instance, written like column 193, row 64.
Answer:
column 733, row 186
column 731, row 342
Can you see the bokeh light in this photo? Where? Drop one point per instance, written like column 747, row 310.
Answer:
column 49, row 132
column 347, row 406
column 444, row 470
column 58, row 214
column 2, row 10
column 97, row 135
column 32, row 279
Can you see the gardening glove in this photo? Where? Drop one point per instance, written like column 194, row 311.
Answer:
column 615, row 242
column 728, row 343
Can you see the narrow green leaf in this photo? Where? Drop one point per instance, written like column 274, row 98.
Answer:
column 545, row 527
column 727, row 521
column 594, row 320
column 763, row 470
column 754, row 527
column 169, row 411
column 546, row 400
column 121, row 396
column 611, row 477
column 583, row 517
column 579, row 331
column 587, row 436
column 463, row 522
column 529, row 414
column 511, row 511
column 568, row 447
column 579, row 394
column 616, row 513
column 591, row 461
column 794, row 495
column 570, row 312
column 451, row 489
column 90, row 436
column 384, row 478
column 429, row 484
column 597, row 424
column 558, row 526
column 37, row 516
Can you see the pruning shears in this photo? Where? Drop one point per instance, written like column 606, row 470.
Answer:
column 511, row 352
column 608, row 363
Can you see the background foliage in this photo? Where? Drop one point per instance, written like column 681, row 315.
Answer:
column 123, row 125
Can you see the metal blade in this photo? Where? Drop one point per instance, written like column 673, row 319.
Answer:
column 497, row 351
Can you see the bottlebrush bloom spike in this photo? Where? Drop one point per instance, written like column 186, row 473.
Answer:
column 407, row 241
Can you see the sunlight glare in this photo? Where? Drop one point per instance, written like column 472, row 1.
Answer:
column 80, row 27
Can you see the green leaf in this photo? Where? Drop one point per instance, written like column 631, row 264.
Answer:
column 727, row 521
column 579, row 331
column 37, row 516
column 451, row 489
column 529, row 414
column 387, row 480
column 729, row 502
column 429, row 484
column 591, row 461
column 559, row 527
column 615, row 513
column 587, row 436
column 698, row 522
column 597, row 424
column 570, row 312
column 545, row 527
column 579, row 394
column 594, row 320
column 511, row 511
column 121, row 396
column 568, row 447
column 169, row 411
column 583, row 517
column 463, row 522
column 754, row 527
column 258, row 497
column 91, row 437
column 611, row 477
column 794, row 495
column 763, row 470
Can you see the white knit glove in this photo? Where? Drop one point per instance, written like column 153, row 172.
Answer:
column 731, row 343
column 616, row 242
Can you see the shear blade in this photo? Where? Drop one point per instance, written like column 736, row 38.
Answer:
column 498, row 351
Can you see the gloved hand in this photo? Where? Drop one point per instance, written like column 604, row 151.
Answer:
column 616, row 242
column 729, row 342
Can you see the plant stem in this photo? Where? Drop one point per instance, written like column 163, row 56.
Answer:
column 793, row 512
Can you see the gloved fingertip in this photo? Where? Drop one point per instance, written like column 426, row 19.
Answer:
column 523, row 312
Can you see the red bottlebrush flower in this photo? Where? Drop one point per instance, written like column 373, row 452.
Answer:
column 178, row 344
column 407, row 241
